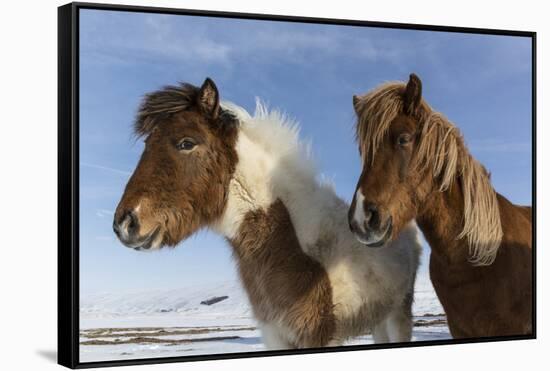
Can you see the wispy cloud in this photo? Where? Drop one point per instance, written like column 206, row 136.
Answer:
column 163, row 39
column 197, row 44
column 106, row 168
column 195, row 40
column 102, row 213
column 148, row 38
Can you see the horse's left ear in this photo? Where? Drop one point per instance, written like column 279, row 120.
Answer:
column 413, row 95
column 209, row 98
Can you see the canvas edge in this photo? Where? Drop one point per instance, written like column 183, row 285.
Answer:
column 68, row 187
column 67, row 254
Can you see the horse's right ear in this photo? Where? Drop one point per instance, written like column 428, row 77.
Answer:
column 356, row 103
column 413, row 95
column 209, row 98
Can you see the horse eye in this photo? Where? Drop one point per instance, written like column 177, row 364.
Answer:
column 186, row 145
column 403, row 139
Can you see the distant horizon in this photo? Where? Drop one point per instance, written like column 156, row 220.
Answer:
column 482, row 83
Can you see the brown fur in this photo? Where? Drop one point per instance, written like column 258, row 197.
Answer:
column 284, row 284
column 493, row 300
column 439, row 183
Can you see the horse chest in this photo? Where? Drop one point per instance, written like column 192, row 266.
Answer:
column 287, row 288
column 359, row 296
column 481, row 301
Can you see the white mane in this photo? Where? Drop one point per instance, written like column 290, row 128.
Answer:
column 278, row 134
column 275, row 164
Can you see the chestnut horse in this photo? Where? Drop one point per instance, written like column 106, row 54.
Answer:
column 309, row 282
column 416, row 166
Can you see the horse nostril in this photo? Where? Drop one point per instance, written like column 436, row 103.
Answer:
column 116, row 229
column 133, row 224
column 372, row 217
column 127, row 226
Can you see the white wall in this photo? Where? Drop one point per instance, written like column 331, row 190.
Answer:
column 28, row 153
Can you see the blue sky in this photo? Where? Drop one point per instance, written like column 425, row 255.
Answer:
column 480, row 82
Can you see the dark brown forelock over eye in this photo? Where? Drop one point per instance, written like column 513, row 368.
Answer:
column 158, row 106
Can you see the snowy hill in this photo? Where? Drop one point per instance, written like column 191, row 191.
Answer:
column 182, row 300
column 186, row 302
column 163, row 323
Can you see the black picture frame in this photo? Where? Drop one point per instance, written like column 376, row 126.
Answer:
column 68, row 180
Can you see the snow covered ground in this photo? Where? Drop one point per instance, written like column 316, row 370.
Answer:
column 168, row 323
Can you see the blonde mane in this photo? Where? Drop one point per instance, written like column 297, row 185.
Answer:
column 441, row 148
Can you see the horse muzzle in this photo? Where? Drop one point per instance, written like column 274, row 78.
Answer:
column 126, row 228
column 370, row 237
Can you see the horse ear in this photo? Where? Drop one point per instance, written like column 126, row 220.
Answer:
column 413, row 95
column 356, row 103
column 209, row 98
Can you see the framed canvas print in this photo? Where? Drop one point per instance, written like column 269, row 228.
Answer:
column 242, row 185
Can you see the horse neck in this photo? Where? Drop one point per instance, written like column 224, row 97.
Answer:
column 261, row 227
column 262, row 179
column 440, row 219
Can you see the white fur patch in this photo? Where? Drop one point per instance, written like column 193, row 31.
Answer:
column 274, row 164
column 394, row 330
column 247, row 189
column 380, row 333
column 273, row 337
column 359, row 213
column 267, row 169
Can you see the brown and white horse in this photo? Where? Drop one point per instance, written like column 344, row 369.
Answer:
column 250, row 179
column 416, row 166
